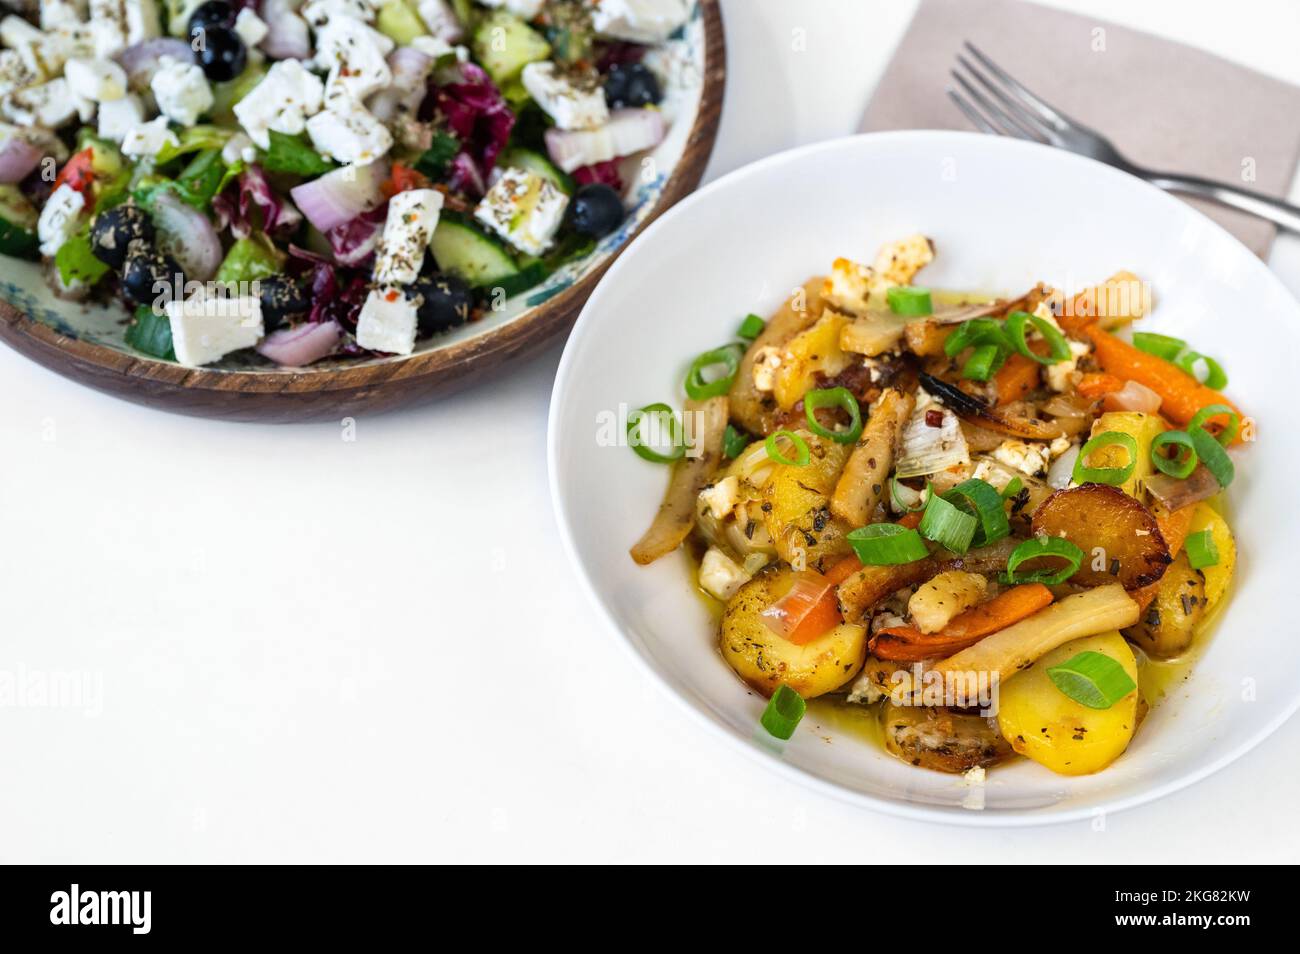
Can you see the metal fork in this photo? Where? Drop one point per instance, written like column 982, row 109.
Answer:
column 996, row 103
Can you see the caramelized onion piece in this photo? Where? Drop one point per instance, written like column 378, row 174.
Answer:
column 977, row 411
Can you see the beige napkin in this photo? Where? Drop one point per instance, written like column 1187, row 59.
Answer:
column 1165, row 105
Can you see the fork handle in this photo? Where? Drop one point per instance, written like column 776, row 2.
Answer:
column 1265, row 206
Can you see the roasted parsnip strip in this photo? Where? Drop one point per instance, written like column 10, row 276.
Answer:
column 862, row 485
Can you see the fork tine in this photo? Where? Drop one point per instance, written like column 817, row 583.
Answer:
column 978, row 121
column 1023, row 118
column 992, row 112
column 1046, row 112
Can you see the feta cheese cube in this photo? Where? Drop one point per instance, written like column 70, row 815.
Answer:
column 412, row 217
column 721, row 497
column 349, row 133
column 147, row 139
column 208, row 327
column 181, row 91
column 59, row 218
column 118, row 117
column 31, row 45
column 638, row 21
column 320, row 12
column 1028, row 457
column 1060, row 376
column 100, row 80
column 388, row 321
column 898, row 262
column 282, row 101
column 720, row 575
column 117, row 24
column 50, row 105
column 251, row 28
column 573, row 101
column 524, row 209
column 766, row 362
column 524, row 9
column 57, row 13
column 15, row 74
column 355, row 56
column 238, row 147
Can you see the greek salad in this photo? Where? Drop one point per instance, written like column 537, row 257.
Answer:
column 320, row 178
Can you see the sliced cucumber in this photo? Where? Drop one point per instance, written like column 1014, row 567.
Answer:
column 462, row 249
column 398, row 20
column 537, row 164
column 17, row 224
column 522, row 280
column 505, row 44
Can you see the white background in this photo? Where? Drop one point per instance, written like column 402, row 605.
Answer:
column 308, row 649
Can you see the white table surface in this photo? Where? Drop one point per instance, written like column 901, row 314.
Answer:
column 300, row 648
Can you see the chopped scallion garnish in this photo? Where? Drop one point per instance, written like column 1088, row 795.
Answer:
column 784, row 712
column 1092, row 679
column 1212, row 455
column 983, row 362
column 1228, row 432
column 1184, row 460
column 1058, row 349
column 802, row 454
column 898, row 492
column 673, row 433
column 947, row 525
column 1013, row 487
column 887, row 544
column 1162, row 346
column 734, row 442
column 1043, row 547
column 1083, row 474
column 1203, row 368
column 751, row 327
column 979, row 496
column 834, row 397
column 909, row 301
column 697, row 388
column 1201, row 549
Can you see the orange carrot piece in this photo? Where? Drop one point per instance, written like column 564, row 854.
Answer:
column 1181, row 395
column 1016, row 378
column 908, row 644
column 825, row 613
column 1098, row 384
column 910, row 520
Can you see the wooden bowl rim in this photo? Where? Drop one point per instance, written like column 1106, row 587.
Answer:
column 523, row 333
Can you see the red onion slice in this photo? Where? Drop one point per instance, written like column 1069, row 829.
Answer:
column 186, row 235
column 340, row 196
column 402, row 98
column 628, row 131
column 18, row 158
column 288, row 38
column 441, row 20
column 1134, row 397
column 300, row 346
column 140, row 60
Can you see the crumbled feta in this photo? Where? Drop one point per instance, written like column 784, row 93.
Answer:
column 574, row 102
column 282, row 101
column 117, row 24
column 1060, row 376
column 432, row 46
column 850, row 284
column 349, row 133
column 119, row 117
column 238, row 147
column 412, row 217
column 147, row 139
column 208, row 327
column 355, row 56
column 1059, row 446
column 388, row 321
column 721, row 497
column 15, row 74
column 524, row 9
column 639, row 21
column 766, row 362
column 57, row 13
column 49, row 105
column 320, row 12
column 29, row 44
column 524, row 209
column 251, row 28
column 181, row 91
column 100, row 80
column 59, row 218
column 720, row 576
column 898, row 262
column 1028, row 457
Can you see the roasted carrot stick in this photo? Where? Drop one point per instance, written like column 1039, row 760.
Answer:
column 1016, row 378
column 908, row 644
column 1181, row 395
column 1098, row 384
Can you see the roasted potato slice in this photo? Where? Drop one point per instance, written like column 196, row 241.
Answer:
column 941, row 739
column 1218, row 576
column 809, row 354
column 765, row 660
column 754, row 410
column 1143, row 428
column 796, row 506
column 1167, row 626
column 1120, row 538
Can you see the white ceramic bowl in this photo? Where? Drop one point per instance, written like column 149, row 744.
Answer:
column 1003, row 214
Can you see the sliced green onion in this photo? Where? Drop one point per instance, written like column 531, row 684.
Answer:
column 659, row 411
column 1013, row 487
column 1058, row 349
column 899, row 503
column 1215, row 377
column 947, row 525
column 728, row 356
column 802, row 455
column 833, row 397
column 1229, row 431
column 1106, row 475
column 734, row 442
column 1212, row 455
column 1092, row 679
column 1162, row 346
column 1201, row 551
column 887, row 544
column 984, row 362
column 784, row 712
column 988, row 510
column 1184, row 460
column 1043, row 547
column 975, row 332
column 751, row 327
column 906, row 300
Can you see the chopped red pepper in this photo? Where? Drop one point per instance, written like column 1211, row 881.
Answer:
column 78, row 172
column 403, row 179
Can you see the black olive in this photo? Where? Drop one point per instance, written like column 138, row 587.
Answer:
column 597, row 210
column 149, row 277
column 117, row 228
column 631, row 84
column 443, row 302
column 222, row 54
column 214, row 13
column 282, row 298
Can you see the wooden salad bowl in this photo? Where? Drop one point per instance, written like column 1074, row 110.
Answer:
column 365, row 387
